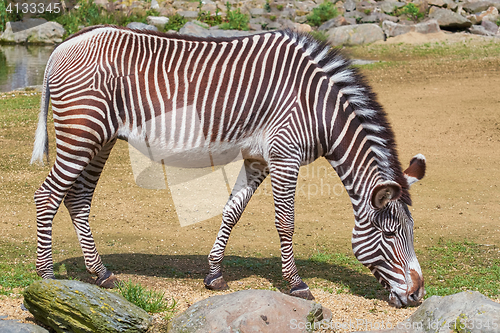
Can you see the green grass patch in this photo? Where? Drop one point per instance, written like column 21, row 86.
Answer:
column 149, row 300
column 322, row 13
column 17, row 266
column 467, row 50
column 451, row 267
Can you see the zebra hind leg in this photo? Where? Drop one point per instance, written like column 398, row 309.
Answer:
column 284, row 176
column 48, row 198
column 78, row 202
column 252, row 176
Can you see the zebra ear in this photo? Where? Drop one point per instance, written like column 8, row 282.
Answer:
column 416, row 170
column 385, row 192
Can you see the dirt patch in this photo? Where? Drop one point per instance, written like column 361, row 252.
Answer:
column 446, row 110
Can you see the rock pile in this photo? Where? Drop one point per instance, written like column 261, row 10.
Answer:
column 359, row 21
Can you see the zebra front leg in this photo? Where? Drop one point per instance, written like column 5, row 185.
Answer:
column 284, row 176
column 251, row 177
column 78, row 202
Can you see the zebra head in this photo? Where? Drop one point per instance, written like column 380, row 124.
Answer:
column 383, row 239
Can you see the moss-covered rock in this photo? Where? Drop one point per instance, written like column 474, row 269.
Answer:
column 73, row 306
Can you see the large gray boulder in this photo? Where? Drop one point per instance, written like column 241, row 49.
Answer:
column 355, row 34
column 468, row 311
column 480, row 30
column 251, row 311
column 479, row 6
column 448, row 19
column 389, row 6
column 392, row 29
column 73, row 306
column 12, row 326
column 33, row 31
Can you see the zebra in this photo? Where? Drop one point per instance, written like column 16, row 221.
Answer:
column 281, row 98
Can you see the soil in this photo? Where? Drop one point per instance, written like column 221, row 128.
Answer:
column 447, row 110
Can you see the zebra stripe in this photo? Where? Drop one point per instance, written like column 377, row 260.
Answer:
column 280, row 98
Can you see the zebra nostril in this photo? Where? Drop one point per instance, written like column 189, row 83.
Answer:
column 415, row 296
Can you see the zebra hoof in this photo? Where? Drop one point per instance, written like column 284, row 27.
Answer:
column 215, row 282
column 302, row 291
column 108, row 281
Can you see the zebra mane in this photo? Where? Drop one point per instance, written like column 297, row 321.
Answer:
column 363, row 101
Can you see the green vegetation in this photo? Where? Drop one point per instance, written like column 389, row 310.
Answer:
column 235, row 19
column 17, row 268
column 322, row 13
column 89, row 13
column 7, row 15
column 451, row 267
column 267, row 6
column 411, row 11
column 443, row 51
column 3, row 16
column 175, row 22
column 207, row 18
column 148, row 300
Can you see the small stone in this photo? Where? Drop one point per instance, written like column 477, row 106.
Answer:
column 490, row 26
column 349, row 5
column 188, row 14
column 141, row 26
column 356, row 34
column 333, row 23
column 490, row 14
column 157, row 21
column 392, row 29
column 480, row 30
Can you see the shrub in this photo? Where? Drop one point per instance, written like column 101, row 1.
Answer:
column 267, row 6
column 175, row 22
column 411, row 11
column 322, row 13
column 207, row 18
column 235, row 19
column 148, row 300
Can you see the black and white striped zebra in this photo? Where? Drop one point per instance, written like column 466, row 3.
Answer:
column 281, row 98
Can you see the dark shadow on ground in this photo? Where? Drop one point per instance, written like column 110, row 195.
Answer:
column 234, row 267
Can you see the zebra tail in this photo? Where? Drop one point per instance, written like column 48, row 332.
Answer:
column 41, row 146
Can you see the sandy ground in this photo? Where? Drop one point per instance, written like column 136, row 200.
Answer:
column 448, row 111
